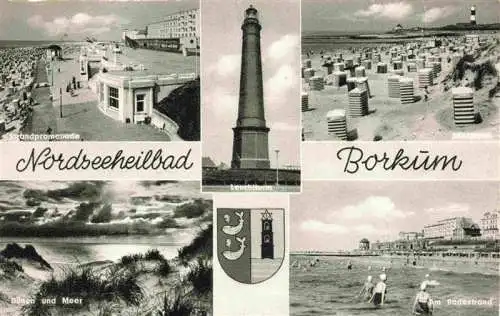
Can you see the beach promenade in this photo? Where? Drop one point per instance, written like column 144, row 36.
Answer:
column 80, row 113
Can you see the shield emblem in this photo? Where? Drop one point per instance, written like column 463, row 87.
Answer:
column 250, row 243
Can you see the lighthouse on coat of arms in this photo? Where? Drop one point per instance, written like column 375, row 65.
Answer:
column 267, row 243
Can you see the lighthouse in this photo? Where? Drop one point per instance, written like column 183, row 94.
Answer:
column 267, row 238
column 473, row 15
column 250, row 135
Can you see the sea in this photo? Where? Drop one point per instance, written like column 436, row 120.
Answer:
column 330, row 41
column 335, row 44
column 330, row 289
column 75, row 251
column 14, row 44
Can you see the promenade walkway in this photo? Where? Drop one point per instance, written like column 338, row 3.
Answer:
column 81, row 115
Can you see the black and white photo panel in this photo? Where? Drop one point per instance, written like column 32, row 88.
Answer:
column 100, row 71
column 395, row 248
column 400, row 70
column 105, row 248
column 250, row 91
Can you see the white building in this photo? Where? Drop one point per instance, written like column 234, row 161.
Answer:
column 126, row 91
column 178, row 25
column 183, row 26
column 489, row 225
column 452, row 228
column 129, row 96
column 409, row 235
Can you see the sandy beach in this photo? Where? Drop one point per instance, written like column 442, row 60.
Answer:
column 388, row 118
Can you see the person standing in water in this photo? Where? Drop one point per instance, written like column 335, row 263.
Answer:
column 423, row 302
column 379, row 292
column 428, row 282
column 367, row 290
column 349, row 265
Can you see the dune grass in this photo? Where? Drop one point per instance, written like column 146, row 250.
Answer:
column 176, row 306
column 92, row 286
column 131, row 259
column 119, row 283
column 201, row 245
column 200, row 276
column 153, row 254
column 163, row 268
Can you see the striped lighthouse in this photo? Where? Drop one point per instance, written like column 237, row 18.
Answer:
column 473, row 15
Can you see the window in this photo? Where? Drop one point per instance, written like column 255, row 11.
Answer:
column 139, row 102
column 113, row 97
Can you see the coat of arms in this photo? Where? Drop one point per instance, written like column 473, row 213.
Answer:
column 250, row 243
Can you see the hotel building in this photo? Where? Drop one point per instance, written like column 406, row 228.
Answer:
column 410, row 235
column 489, row 223
column 452, row 228
column 180, row 30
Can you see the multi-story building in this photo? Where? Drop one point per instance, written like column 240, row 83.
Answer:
column 417, row 244
column 452, row 228
column 489, row 223
column 182, row 27
column 410, row 235
column 434, row 231
column 178, row 25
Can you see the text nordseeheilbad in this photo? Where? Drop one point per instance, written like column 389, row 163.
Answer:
column 157, row 159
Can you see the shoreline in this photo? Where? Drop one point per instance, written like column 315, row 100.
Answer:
column 412, row 32
column 120, row 240
column 447, row 264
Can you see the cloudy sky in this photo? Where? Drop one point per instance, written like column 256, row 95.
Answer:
column 50, row 20
column 336, row 215
column 382, row 15
column 221, row 58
